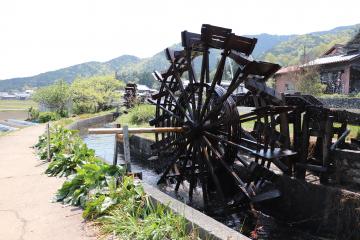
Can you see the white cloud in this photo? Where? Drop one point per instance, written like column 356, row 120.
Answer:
column 42, row 35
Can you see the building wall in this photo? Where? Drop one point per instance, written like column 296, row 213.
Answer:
column 284, row 81
column 346, row 79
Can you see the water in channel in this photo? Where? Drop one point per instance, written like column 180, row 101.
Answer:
column 261, row 227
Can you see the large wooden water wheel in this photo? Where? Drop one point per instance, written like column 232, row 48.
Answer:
column 204, row 152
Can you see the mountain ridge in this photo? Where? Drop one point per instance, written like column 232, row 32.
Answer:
column 282, row 49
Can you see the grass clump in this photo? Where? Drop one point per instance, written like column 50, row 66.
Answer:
column 142, row 114
column 44, row 117
column 138, row 116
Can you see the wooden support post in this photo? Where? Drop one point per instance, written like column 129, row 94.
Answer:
column 297, row 130
column 326, row 143
column 300, row 172
column 127, row 149
column 284, row 131
column 48, row 141
column 116, row 146
column 284, row 125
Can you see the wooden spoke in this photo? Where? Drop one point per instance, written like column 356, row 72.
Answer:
column 241, row 185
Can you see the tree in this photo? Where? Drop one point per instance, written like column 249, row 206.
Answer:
column 55, row 97
column 95, row 94
column 308, row 81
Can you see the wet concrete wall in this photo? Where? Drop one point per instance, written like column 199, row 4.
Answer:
column 347, row 167
column 140, row 147
column 326, row 210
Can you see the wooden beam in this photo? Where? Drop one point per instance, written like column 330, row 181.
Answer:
column 135, row 130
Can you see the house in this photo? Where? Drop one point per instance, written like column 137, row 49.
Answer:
column 339, row 69
column 22, row 96
column 7, row 96
column 144, row 89
column 285, row 79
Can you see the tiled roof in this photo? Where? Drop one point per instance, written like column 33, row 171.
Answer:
column 288, row 69
column 332, row 59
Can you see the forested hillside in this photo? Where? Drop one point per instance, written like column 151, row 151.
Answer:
column 282, row 49
column 68, row 74
column 303, row 48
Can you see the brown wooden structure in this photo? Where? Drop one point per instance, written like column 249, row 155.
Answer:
column 198, row 128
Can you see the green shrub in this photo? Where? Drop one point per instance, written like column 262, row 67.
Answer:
column 33, row 114
column 65, row 164
column 56, row 96
column 101, row 203
column 89, row 177
column 142, row 114
column 61, row 141
column 95, row 93
column 48, row 116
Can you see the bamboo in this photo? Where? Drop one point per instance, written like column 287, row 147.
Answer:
column 135, row 130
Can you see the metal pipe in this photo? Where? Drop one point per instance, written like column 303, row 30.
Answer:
column 341, row 138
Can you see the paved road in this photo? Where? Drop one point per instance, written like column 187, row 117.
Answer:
column 26, row 210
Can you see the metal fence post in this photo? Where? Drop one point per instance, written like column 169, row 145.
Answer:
column 127, row 148
column 48, row 141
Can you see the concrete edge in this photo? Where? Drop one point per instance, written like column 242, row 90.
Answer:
column 208, row 227
column 90, row 122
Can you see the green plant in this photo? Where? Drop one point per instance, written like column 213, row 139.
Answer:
column 100, row 203
column 65, row 164
column 89, row 177
column 94, row 94
column 118, row 202
column 308, row 82
column 33, row 113
column 135, row 217
column 60, row 139
column 142, row 114
column 55, row 97
column 48, row 116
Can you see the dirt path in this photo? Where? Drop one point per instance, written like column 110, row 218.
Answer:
column 26, row 210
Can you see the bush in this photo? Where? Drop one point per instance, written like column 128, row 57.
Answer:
column 90, row 178
column 48, row 116
column 142, row 114
column 55, row 97
column 33, row 114
column 61, row 140
column 94, row 94
column 308, row 82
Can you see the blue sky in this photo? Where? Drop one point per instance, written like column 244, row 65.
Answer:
column 42, row 35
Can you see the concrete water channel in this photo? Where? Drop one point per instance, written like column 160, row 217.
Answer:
column 258, row 225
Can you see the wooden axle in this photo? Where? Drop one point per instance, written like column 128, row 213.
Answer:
column 135, row 130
